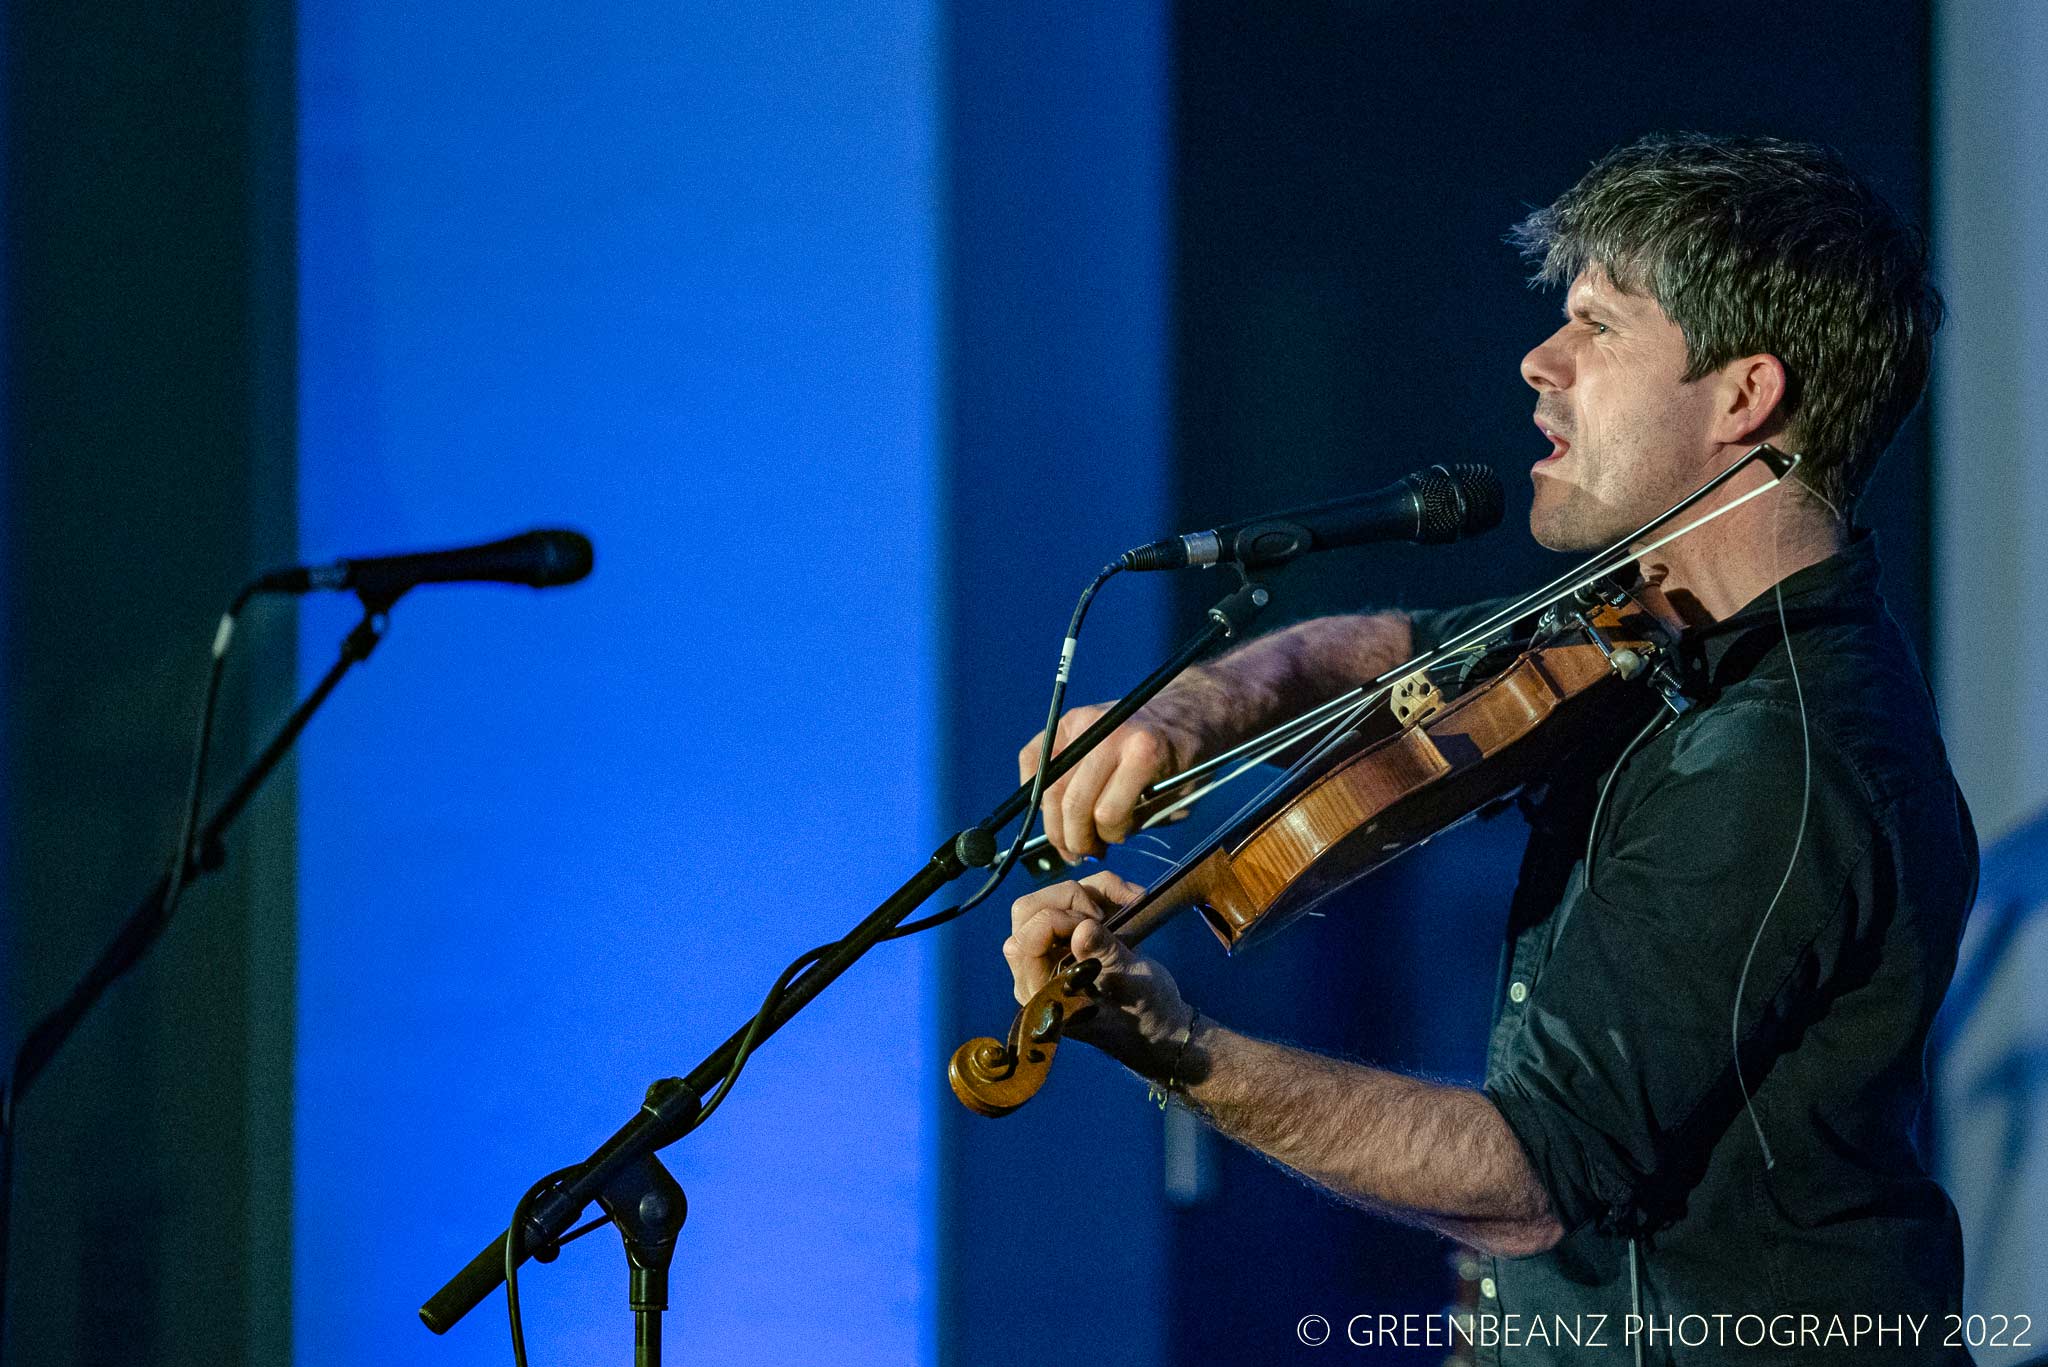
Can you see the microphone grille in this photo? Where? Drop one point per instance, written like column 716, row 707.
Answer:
column 1458, row 501
column 563, row 558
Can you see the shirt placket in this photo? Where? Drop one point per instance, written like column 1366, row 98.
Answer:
column 1525, row 963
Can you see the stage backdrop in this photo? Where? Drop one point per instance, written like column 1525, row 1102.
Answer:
column 665, row 274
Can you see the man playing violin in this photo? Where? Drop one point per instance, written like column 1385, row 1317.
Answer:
column 1727, row 944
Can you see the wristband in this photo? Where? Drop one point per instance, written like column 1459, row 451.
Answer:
column 1173, row 1085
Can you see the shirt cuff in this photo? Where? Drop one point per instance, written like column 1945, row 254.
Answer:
column 1573, row 1166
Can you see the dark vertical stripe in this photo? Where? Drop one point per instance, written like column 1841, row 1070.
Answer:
column 1051, row 1219
column 148, row 446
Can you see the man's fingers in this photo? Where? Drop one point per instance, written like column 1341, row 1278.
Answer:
column 1092, row 938
column 1071, row 806
column 1095, row 896
column 1070, row 896
column 1069, row 913
column 1031, row 948
column 1070, row 916
column 1027, row 974
column 1052, row 926
column 1090, row 941
column 1077, row 803
column 1109, row 889
column 1055, row 821
column 1069, row 726
column 1053, row 805
column 1141, row 757
column 1027, row 758
column 1072, row 838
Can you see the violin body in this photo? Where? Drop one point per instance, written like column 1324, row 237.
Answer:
column 1417, row 765
column 1447, row 764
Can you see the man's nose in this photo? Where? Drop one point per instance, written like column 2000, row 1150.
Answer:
column 1546, row 366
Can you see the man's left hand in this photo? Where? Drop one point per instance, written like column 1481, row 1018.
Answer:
column 1142, row 1013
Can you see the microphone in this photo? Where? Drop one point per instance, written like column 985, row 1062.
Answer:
column 542, row 559
column 1432, row 506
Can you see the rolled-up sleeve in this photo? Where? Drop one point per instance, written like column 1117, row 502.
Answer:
column 1621, row 1066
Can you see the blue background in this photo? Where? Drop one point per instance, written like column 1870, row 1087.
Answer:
column 667, row 276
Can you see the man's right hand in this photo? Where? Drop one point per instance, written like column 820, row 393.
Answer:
column 1207, row 709
column 1094, row 803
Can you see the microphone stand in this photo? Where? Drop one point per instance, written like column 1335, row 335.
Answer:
column 647, row 1205
column 618, row 1174
column 670, row 1110
column 147, row 922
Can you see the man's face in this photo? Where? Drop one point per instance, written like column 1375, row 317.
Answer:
column 1629, row 437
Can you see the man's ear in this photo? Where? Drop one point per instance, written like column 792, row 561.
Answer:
column 1754, row 391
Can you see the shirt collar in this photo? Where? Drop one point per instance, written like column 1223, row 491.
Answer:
column 1840, row 588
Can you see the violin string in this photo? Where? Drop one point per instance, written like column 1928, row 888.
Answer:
column 1266, row 743
column 1474, row 638
column 1338, row 728
column 1602, row 564
column 1194, row 795
column 1123, row 915
column 1261, row 748
column 1622, row 553
column 1333, row 714
column 1151, row 854
column 1167, row 811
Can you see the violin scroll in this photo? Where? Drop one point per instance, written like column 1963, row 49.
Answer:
column 994, row 1077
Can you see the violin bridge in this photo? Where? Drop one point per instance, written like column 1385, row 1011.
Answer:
column 1415, row 699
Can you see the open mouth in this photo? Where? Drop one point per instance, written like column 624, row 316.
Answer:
column 1558, row 445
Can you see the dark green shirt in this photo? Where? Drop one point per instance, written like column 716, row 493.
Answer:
column 1612, row 1054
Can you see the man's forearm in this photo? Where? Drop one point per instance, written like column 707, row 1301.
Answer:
column 1436, row 1155
column 1282, row 675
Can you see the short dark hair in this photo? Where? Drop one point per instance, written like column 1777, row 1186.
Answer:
column 1754, row 245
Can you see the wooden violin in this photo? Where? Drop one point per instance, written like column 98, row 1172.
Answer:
column 1399, row 761
column 1409, row 766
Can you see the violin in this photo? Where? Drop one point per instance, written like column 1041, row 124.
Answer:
column 1397, row 763
column 1409, row 767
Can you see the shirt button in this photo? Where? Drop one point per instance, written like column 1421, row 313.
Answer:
column 1518, row 992
column 1486, row 1287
